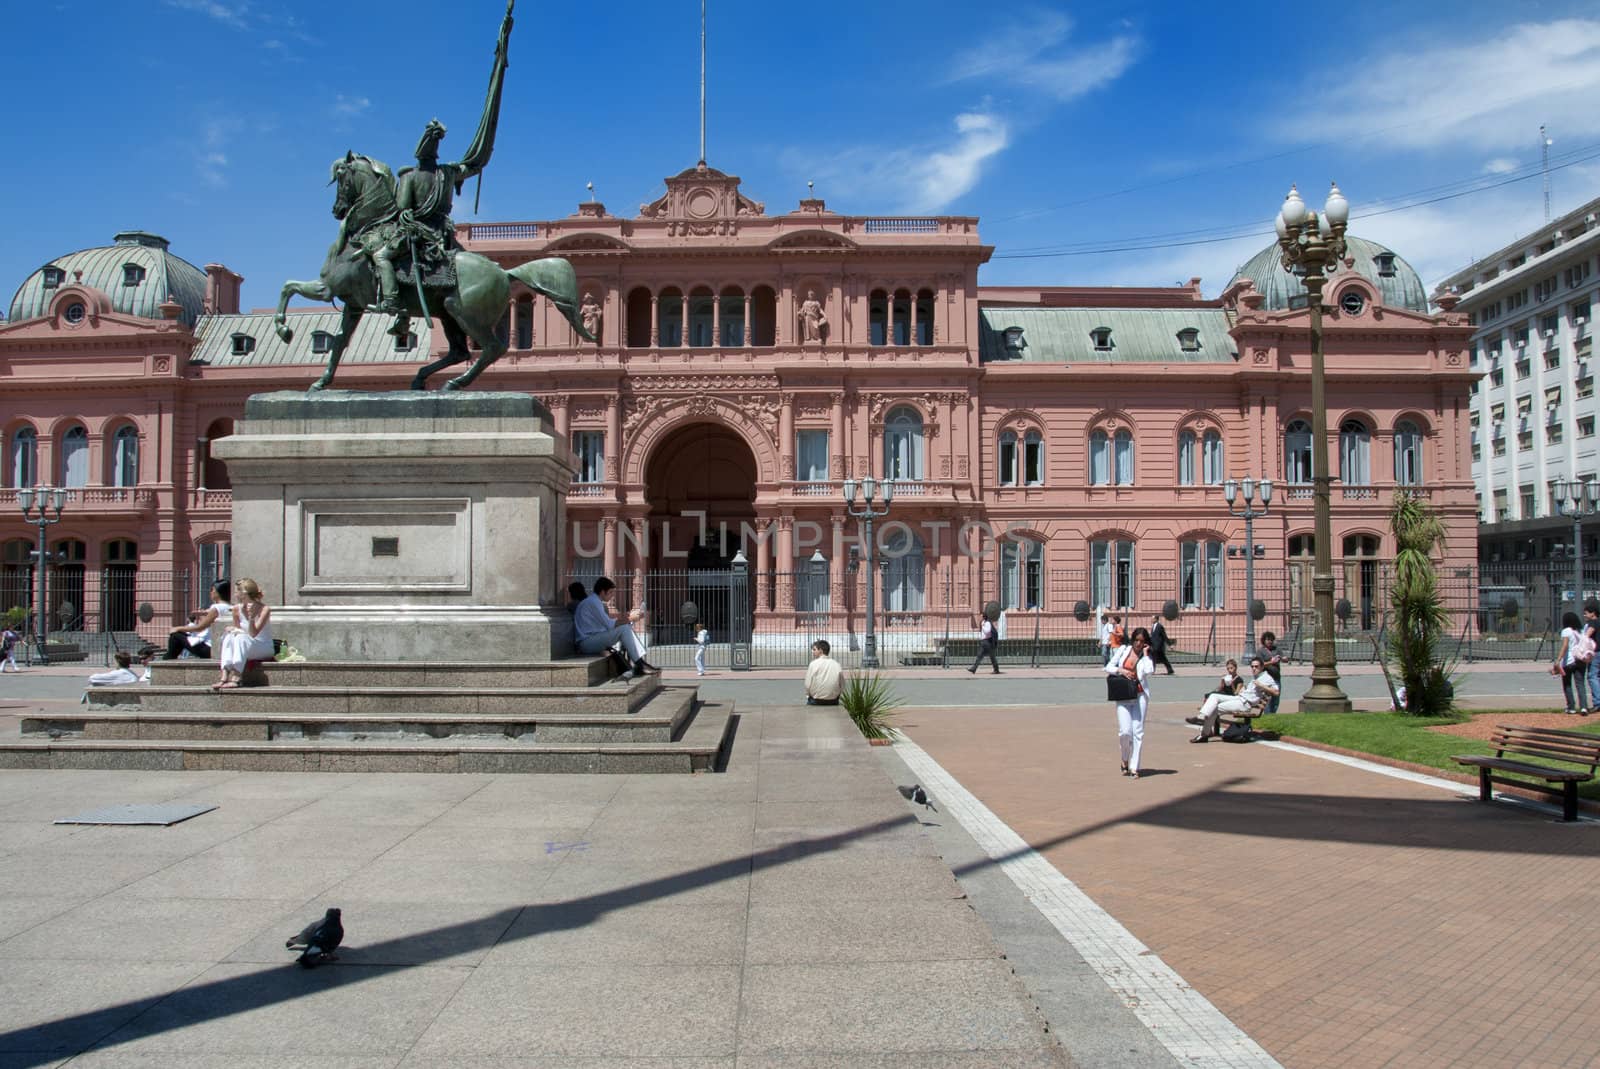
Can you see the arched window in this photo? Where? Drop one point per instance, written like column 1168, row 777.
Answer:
column 1122, row 450
column 1200, row 576
column 125, row 457
column 215, row 560
column 75, row 457
column 925, row 305
column 213, row 472
column 66, row 585
column 904, row 570
column 1099, row 459
column 1022, row 574
column 16, row 573
column 702, row 312
column 731, row 313
column 878, row 318
column 120, row 560
column 1008, row 458
column 1186, row 452
column 638, row 318
column 1111, row 573
column 1297, row 452
column 902, row 444
column 22, row 463
column 1033, row 458
column 763, row 317
column 524, row 324
column 1211, row 458
column 1355, row 453
column 1408, row 453
column 669, row 318
column 902, row 317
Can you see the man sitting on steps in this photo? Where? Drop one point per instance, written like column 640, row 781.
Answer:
column 1257, row 690
column 596, row 629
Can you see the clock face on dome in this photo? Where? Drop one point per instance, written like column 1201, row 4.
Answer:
column 1352, row 302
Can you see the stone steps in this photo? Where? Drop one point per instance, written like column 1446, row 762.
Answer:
column 573, row 672
column 702, row 739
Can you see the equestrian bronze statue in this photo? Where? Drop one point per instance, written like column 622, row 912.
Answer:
column 397, row 253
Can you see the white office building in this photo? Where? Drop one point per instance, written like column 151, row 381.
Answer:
column 1534, row 410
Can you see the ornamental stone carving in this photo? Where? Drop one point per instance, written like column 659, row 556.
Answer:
column 1259, row 356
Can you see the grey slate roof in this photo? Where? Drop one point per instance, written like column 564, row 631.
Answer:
column 1403, row 289
column 102, row 268
column 371, row 344
column 1138, row 335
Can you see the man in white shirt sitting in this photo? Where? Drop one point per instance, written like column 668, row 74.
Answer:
column 596, row 629
column 1259, row 689
column 824, row 676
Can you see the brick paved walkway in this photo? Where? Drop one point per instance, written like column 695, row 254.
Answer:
column 1341, row 918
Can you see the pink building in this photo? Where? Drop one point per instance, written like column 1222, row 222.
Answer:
column 1049, row 446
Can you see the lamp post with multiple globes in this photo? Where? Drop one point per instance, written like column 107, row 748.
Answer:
column 1312, row 245
column 866, row 512
column 1577, row 500
column 1249, row 513
column 37, row 504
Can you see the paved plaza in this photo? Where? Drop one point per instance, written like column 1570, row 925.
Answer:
column 1238, row 906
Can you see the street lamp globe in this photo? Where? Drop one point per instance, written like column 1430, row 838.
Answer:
column 1266, row 491
column 1230, row 490
column 1294, row 211
column 1337, row 209
column 1248, row 485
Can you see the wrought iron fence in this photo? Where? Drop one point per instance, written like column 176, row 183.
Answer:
column 120, row 607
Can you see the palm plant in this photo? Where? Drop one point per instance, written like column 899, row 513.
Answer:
column 1420, row 617
column 871, row 702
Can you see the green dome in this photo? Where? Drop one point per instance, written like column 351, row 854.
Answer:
column 160, row 274
column 1397, row 281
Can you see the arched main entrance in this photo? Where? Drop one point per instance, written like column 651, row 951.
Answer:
column 701, row 482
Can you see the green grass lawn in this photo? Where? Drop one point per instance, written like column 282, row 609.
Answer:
column 1402, row 737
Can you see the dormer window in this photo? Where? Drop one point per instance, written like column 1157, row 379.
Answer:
column 405, row 344
column 321, row 341
column 243, row 345
column 53, row 277
column 1102, row 339
column 132, row 274
column 1015, row 343
column 1189, row 340
column 1385, row 262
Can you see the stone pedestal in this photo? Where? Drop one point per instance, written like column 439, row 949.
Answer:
column 403, row 526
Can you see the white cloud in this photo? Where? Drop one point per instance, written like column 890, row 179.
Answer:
column 1500, row 165
column 234, row 14
column 916, row 179
column 211, row 157
column 1491, row 93
column 350, row 105
column 1031, row 52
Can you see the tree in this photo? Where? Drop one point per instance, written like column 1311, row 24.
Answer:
column 1420, row 618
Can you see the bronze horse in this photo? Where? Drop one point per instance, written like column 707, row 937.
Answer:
column 471, row 309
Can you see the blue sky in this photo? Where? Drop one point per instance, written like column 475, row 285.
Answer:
column 1130, row 143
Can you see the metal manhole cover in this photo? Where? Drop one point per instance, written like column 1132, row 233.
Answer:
column 162, row 813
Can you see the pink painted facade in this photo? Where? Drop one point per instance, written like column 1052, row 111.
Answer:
column 1093, row 433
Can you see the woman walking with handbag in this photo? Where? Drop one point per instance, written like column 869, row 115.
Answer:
column 1128, row 684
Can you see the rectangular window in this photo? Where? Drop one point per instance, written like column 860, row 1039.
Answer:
column 1584, row 387
column 1477, row 451
column 1524, row 369
column 1553, row 434
column 1033, row 459
column 1497, row 378
column 590, row 447
column 1544, row 288
column 1502, row 506
column 1549, row 325
column 1586, row 427
column 1008, row 459
column 811, row 456
column 1577, row 274
column 1499, row 447
column 1525, row 500
column 216, row 560
column 1201, row 575
column 1022, row 574
column 1111, row 574
column 1524, row 441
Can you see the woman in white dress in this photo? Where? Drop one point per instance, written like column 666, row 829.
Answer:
column 248, row 637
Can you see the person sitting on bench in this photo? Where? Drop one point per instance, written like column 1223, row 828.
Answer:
column 596, row 629
column 1261, row 688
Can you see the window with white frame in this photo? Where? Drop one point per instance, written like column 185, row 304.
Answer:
column 23, row 462
column 590, row 447
column 75, row 457
column 811, row 456
column 904, row 569
column 1122, row 450
column 1211, row 458
column 1008, row 458
column 1355, row 453
column 1033, row 458
column 215, row 561
column 1200, row 574
column 125, row 457
column 1297, row 452
column 1187, row 446
column 1099, row 459
column 1111, row 573
column 321, row 341
column 1407, row 453
column 902, row 444
column 1022, row 574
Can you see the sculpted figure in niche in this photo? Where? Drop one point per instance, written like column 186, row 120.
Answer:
column 589, row 312
column 812, row 319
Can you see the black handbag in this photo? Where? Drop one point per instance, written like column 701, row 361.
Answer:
column 1119, row 688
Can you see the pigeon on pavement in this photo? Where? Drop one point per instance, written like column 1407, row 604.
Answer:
column 318, row 941
column 915, row 793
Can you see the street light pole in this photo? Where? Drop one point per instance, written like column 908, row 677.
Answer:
column 1577, row 499
column 1230, row 490
column 1312, row 247
column 46, row 500
column 866, row 513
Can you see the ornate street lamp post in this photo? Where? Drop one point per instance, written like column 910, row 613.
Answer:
column 1577, row 500
column 46, row 500
column 1313, row 245
column 866, row 513
column 1230, row 491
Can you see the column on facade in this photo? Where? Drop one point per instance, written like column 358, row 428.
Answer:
column 563, row 416
column 838, row 560
column 888, row 315
column 655, row 321
column 786, row 436
column 613, row 443
column 836, row 451
column 912, row 304
column 608, row 527
column 683, row 321
column 639, row 562
column 763, row 577
column 785, row 562
column 848, row 441
column 716, row 319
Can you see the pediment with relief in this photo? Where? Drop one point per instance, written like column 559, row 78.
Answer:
column 812, row 239
column 702, row 195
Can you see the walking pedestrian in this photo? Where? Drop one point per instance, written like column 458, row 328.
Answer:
column 8, row 649
column 1133, row 662
column 1571, row 665
column 1591, row 631
column 702, row 639
column 1102, row 622
column 988, row 643
column 1159, row 643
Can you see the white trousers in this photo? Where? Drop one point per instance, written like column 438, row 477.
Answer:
column 700, row 660
column 1130, row 729
column 1216, row 705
